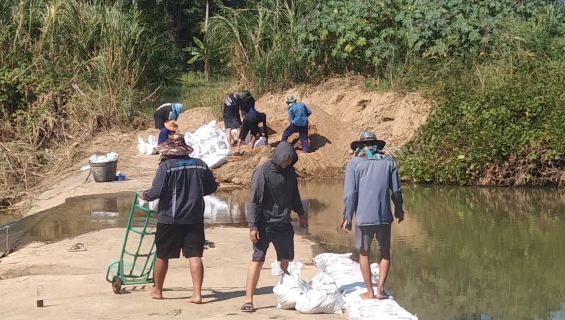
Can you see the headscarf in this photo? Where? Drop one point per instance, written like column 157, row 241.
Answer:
column 370, row 152
column 176, row 110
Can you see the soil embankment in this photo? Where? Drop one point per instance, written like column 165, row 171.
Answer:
column 339, row 112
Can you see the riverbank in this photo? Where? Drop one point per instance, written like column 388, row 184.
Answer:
column 394, row 117
column 75, row 285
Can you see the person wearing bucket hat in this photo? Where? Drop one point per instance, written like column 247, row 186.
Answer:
column 371, row 178
column 180, row 184
column 167, row 111
column 298, row 114
column 232, row 115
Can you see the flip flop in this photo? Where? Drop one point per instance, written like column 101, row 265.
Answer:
column 77, row 247
column 237, row 154
column 247, row 307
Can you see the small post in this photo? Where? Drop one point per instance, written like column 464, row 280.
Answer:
column 7, row 239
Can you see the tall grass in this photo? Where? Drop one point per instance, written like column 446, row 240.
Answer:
column 258, row 43
column 67, row 70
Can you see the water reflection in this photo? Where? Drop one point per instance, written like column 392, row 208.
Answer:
column 461, row 253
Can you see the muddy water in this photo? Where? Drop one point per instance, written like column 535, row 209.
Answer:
column 461, row 253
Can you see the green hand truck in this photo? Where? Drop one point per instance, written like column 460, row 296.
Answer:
column 129, row 273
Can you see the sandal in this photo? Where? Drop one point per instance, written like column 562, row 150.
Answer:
column 247, row 307
column 236, row 154
column 77, row 247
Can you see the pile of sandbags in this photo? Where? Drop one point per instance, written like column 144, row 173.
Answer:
column 149, row 147
column 209, row 144
column 347, row 276
column 290, row 286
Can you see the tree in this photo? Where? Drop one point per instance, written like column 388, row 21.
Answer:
column 202, row 53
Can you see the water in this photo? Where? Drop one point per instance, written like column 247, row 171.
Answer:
column 461, row 253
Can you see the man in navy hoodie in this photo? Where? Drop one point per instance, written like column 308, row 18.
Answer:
column 180, row 184
column 371, row 178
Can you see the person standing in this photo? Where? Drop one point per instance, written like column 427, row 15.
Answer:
column 232, row 115
column 370, row 179
column 274, row 194
column 298, row 114
column 180, row 184
column 167, row 111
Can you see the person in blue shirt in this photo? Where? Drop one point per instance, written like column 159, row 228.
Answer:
column 170, row 127
column 370, row 179
column 298, row 114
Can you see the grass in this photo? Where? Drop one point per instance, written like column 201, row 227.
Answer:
column 193, row 91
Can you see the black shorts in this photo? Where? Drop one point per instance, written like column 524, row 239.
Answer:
column 249, row 124
column 171, row 238
column 282, row 237
column 232, row 123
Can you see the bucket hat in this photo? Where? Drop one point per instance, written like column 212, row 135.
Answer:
column 368, row 137
column 290, row 99
column 175, row 146
column 245, row 94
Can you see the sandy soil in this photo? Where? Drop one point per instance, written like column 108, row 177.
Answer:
column 340, row 110
column 75, row 286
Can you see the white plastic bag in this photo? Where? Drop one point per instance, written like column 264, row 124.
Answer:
column 323, row 299
column 260, row 142
column 290, row 286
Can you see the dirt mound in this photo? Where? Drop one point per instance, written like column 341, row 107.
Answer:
column 340, row 111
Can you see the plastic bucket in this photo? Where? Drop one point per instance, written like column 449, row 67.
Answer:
column 104, row 171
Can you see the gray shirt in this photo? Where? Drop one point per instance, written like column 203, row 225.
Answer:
column 366, row 191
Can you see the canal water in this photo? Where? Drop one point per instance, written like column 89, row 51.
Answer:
column 461, row 253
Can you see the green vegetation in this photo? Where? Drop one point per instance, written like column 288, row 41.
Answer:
column 496, row 69
column 69, row 69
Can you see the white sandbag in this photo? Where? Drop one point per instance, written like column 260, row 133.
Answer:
column 261, row 142
column 150, row 149
column 320, row 280
column 323, row 259
column 215, row 161
column 323, row 299
column 290, row 286
column 360, row 309
column 141, row 147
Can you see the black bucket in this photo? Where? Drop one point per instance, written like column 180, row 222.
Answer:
column 104, row 171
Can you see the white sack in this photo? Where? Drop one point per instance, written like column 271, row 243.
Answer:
column 323, row 299
column 290, row 287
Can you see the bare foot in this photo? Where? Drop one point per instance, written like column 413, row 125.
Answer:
column 366, row 296
column 152, row 291
column 382, row 296
column 195, row 300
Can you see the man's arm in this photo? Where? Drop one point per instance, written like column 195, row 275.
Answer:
column 394, row 183
column 209, row 184
column 255, row 199
column 297, row 202
column 350, row 194
column 159, row 183
column 308, row 111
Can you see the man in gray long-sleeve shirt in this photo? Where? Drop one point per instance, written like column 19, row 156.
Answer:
column 368, row 178
column 274, row 194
